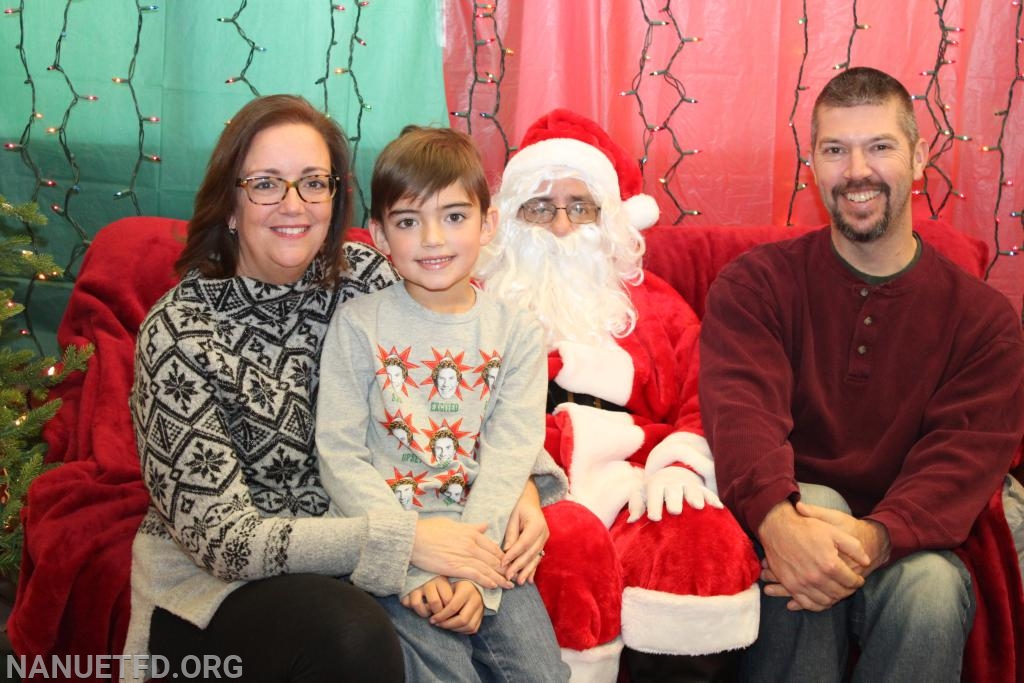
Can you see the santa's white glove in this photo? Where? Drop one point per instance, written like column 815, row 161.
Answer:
column 668, row 487
column 604, row 372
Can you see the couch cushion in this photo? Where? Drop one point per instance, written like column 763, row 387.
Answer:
column 689, row 257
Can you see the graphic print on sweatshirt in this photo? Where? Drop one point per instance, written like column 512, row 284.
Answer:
column 407, row 488
column 395, row 367
column 426, row 403
column 446, row 380
column 488, row 371
column 454, row 486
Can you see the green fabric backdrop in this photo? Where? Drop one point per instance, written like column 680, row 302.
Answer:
column 184, row 57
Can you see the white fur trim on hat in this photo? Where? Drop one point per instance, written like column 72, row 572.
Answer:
column 567, row 153
column 599, row 664
column 653, row 621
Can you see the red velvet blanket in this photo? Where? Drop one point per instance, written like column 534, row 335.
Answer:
column 81, row 517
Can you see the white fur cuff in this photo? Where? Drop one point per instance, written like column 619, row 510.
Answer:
column 664, row 623
column 599, row 664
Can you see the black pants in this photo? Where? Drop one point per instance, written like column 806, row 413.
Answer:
column 286, row 629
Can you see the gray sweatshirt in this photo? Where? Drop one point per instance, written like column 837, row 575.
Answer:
column 442, row 414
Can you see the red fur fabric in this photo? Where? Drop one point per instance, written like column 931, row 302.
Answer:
column 81, row 517
column 994, row 649
column 583, row 587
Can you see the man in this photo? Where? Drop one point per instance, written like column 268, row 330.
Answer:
column 864, row 398
column 442, row 445
column 446, row 378
column 624, row 419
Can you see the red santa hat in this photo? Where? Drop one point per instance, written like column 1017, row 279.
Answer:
column 564, row 138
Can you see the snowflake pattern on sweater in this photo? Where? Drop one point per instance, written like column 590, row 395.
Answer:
column 225, row 387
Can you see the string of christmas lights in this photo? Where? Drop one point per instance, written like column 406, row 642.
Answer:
column 61, row 131
column 1004, row 114
column 22, row 146
column 945, row 134
column 364, row 106
column 63, row 210
column 253, row 49
column 857, row 26
column 801, row 161
column 143, row 119
column 674, row 84
column 331, row 42
column 485, row 23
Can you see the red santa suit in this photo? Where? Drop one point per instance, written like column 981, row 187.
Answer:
column 689, row 580
column 627, row 430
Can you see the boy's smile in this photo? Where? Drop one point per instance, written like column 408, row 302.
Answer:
column 434, row 244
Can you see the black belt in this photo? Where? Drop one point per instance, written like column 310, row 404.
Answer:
column 557, row 394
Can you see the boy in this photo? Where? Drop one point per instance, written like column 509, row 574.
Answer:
column 446, row 435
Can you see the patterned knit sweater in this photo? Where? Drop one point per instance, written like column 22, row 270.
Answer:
column 223, row 404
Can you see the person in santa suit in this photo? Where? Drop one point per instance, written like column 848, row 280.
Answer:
column 644, row 554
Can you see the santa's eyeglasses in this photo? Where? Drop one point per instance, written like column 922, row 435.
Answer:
column 542, row 212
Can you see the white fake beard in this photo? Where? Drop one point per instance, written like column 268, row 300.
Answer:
column 568, row 282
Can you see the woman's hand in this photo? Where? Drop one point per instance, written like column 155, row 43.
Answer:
column 525, row 536
column 448, row 548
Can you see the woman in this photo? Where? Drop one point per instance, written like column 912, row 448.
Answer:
column 235, row 556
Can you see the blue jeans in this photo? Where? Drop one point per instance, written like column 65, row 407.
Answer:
column 516, row 644
column 910, row 620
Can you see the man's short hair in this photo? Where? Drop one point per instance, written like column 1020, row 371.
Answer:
column 863, row 85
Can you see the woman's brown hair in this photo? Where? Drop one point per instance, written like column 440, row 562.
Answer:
column 209, row 246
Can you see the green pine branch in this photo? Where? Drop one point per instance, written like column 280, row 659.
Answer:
column 25, row 383
column 26, row 213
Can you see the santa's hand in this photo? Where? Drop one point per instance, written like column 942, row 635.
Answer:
column 670, row 486
column 606, row 373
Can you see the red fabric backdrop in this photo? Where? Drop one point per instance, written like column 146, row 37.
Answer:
column 744, row 73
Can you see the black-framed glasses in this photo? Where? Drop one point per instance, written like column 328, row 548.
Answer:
column 267, row 189
column 542, row 212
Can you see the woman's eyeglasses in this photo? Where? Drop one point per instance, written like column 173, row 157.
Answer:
column 265, row 189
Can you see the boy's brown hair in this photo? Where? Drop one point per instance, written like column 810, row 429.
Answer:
column 421, row 162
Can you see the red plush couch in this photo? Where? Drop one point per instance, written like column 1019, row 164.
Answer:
column 73, row 595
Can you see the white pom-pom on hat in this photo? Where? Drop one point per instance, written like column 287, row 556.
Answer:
column 642, row 210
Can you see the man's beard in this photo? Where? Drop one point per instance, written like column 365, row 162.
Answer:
column 847, row 230
column 568, row 282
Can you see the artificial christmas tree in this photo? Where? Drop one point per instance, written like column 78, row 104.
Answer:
column 25, row 380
